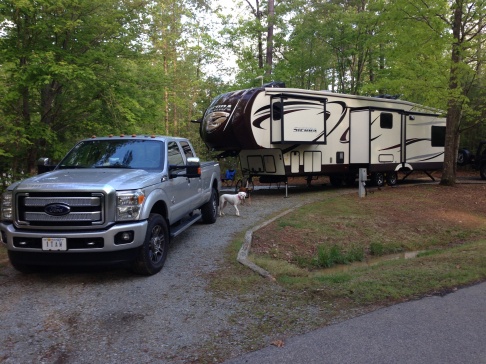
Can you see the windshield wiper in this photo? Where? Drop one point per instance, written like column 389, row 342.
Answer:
column 71, row 167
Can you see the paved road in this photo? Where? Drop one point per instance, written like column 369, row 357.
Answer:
column 442, row 330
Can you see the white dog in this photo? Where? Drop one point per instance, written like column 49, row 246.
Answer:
column 234, row 200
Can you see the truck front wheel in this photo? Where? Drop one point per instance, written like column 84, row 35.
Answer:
column 153, row 252
column 21, row 267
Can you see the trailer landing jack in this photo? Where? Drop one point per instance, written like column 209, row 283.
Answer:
column 426, row 172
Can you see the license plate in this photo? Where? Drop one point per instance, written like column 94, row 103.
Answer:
column 54, row 244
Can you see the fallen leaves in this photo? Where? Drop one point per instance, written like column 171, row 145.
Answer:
column 278, row 343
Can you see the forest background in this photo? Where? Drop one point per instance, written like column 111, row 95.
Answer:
column 70, row 69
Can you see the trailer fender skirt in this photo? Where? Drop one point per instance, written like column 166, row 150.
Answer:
column 403, row 166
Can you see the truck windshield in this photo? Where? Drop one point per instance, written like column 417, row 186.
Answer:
column 109, row 153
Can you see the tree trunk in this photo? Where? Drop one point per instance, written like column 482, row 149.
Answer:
column 166, row 100
column 269, row 56
column 258, row 15
column 454, row 108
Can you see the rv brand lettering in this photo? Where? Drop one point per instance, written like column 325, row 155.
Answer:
column 57, row 209
column 217, row 108
column 305, row 130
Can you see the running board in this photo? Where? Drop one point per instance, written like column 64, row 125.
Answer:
column 184, row 224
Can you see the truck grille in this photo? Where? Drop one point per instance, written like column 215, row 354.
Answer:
column 60, row 209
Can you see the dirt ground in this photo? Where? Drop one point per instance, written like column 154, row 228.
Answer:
column 429, row 211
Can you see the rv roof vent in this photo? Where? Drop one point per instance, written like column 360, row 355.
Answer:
column 386, row 96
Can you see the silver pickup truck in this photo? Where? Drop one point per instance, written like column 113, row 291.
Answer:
column 110, row 200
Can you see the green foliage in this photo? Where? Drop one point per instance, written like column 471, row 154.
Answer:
column 377, row 249
column 329, row 256
column 72, row 69
column 380, row 249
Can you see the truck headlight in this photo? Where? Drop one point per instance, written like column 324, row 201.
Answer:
column 7, row 211
column 129, row 205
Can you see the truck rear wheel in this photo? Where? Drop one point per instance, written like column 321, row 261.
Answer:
column 209, row 210
column 463, row 157
column 153, row 252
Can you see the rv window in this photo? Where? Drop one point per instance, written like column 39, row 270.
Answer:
column 277, row 110
column 438, row 136
column 386, row 120
column 269, row 163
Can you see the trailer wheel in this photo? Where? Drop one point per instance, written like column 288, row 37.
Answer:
column 350, row 179
column 482, row 170
column 391, row 178
column 336, row 181
column 378, row 179
column 153, row 252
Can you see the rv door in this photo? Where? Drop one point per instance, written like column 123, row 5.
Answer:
column 359, row 136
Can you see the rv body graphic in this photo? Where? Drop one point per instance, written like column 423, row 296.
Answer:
column 282, row 132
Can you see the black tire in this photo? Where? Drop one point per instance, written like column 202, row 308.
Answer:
column 153, row 252
column 378, row 179
column 463, row 157
column 21, row 267
column 482, row 170
column 391, row 178
column 350, row 179
column 209, row 210
column 336, row 181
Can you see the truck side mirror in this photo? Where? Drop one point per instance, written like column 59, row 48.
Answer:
column 44, row 165
column 193, row 169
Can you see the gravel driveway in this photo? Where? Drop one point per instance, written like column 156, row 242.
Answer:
column 113, row 316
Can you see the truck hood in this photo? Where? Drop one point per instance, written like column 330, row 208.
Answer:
column 91, row 179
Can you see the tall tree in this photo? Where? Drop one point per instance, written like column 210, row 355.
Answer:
column 269, row 53
column 61, row 57
column 71, row 69
column 462, row 23
column 251, row 34
column 341, row 36
column 467, row 23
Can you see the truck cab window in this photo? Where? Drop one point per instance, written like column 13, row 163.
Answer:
column 187, row 150
column 174, row 154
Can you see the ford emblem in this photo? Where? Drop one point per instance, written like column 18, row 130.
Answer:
column 57, row 209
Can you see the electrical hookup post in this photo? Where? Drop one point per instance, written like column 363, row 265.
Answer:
column 363, row 176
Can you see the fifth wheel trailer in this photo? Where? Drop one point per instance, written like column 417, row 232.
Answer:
column 280, row 132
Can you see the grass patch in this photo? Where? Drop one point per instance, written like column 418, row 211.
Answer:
column 390, row 281
column 330, row 256
column 346, row 229
column 381, row 249
column 446, row 225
